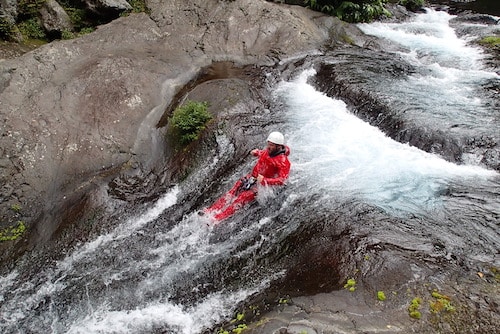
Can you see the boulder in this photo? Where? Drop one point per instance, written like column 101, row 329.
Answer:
column 107, row 5
column 76, row 112
column 54, row 18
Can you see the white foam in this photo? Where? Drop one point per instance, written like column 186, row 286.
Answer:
column 430, row 37
column 334, row 151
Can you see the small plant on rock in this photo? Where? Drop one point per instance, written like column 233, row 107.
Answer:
column 13, row 232
column 440, row 303
column 350, row 285
column 381, row 295
column 414, row 308
column 188, row 121
column 491, row 41
column 16, row 208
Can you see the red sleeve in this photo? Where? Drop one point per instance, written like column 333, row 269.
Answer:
column 258, row 153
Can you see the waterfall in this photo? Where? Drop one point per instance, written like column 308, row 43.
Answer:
column 164, row 270
column 335, row 152
column 446, row 90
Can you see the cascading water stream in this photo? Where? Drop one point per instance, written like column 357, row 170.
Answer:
column 446, row 90
column 134, row 279
column 335, row 152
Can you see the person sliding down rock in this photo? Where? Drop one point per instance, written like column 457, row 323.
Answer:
column 272, row 169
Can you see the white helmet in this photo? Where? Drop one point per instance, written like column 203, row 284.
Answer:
column 276, row 138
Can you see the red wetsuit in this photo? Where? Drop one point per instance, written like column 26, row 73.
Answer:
column 275, row 168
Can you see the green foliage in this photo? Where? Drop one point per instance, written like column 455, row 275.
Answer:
column 381, row 295
column 27, row 22
column 412, row 5
column 138, row 6
column 350, row 11
column 87, row 30
column 282, row 301
column 66, row 34
column 440, row 303
column 239, row 329
column 493, row 41
column 83, row 20
column 13, row 232
column 32, row 29
column 239, row 316
column 350, row 285
column 76, row 16
column 16, row 207
column 188, row 121
column 29, row 8
column 414, row 307
column 6, row 29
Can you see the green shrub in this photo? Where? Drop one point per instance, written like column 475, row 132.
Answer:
column 6, row 29
column 138, row 6
column 76, row 16
column 29, row 8
column 350, row 11
column 188, row 121
column 67, row 34
column 87, row 30
column 32, row 29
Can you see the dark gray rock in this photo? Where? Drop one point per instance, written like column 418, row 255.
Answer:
column 54, row 18
column 115, row 5
column 74, row 112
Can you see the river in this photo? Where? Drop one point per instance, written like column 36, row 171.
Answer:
column 163, row 270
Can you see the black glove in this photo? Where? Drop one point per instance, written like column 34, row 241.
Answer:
column 248, row 183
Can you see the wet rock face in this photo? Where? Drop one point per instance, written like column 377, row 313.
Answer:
column 353, row 86
column 86, row 118
column 76, row 112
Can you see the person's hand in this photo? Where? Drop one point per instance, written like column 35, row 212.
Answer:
column 254, row 151
column 260, row 177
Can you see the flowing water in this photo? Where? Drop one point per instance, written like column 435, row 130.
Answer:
column 164, row 270
column 446, row 89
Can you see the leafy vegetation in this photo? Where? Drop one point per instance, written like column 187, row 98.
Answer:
column 440, row 303
column 7, row 29
column 16, row 208
column 188, row 121
column 492, row 41
column 29, row 9
column 414, row 308
column 83, row 20
column 350, row 11
column 350, row 285
column 138, row 6
column 13, row 232
column 31, row 29
column 381, row 295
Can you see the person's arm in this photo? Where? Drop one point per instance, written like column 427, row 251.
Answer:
column 256, row 152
